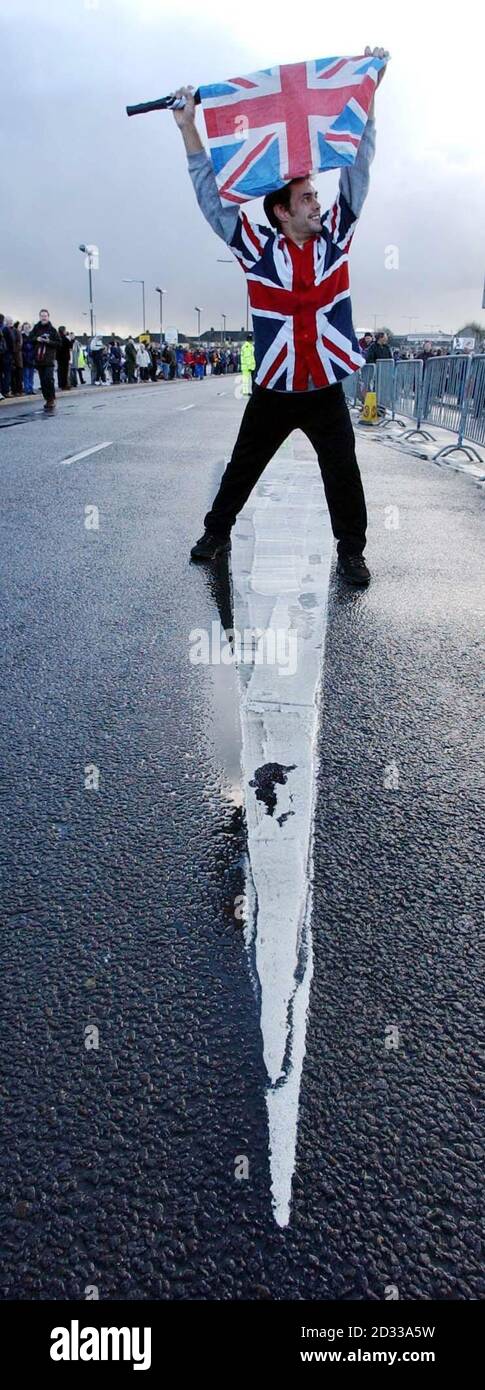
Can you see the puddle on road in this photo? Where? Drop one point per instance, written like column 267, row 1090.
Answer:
column 227, row 728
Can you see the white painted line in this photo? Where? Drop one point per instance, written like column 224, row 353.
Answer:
column 73, row 458
column 186, row 407
column 284, row 593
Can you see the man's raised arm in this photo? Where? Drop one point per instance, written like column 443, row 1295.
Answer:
column 222, row 220
column 354, row 181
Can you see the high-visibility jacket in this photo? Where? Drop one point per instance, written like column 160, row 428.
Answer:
column 248, row 360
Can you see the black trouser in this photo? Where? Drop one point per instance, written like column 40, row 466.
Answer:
column 63, row 373
column 6, row 361
column 17, row 378
column 269, row 417
column 98, row 361
column 47, row 386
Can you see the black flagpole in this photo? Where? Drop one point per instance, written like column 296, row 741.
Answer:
column 170, row 103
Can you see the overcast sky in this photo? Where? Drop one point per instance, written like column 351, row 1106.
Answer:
column 75, row 168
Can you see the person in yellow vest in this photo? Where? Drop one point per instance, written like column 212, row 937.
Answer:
column 82, row 363
column 248, row 365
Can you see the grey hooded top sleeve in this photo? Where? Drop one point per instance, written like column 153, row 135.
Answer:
column 223, row 220
column 354, row 181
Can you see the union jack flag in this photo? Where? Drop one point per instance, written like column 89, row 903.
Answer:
column 286, row 122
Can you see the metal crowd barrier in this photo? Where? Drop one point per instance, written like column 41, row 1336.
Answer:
column 408, row 382
column 385, row 373
column 449, row 392
column 367, row 378
column 356, row 385
column 351, row 387
column 472, row 424
column 444, row 401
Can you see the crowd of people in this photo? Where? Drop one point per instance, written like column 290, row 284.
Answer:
column 27, row 348
column 375, row 347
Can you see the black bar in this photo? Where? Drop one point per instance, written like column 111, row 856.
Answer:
column 264, row 1335
column 162, row 104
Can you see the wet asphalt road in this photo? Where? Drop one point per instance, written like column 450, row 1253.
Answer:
column 118, row 904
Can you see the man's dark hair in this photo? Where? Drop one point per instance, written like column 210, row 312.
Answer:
column 279, row 195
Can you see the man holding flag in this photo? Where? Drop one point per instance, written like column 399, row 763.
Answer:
column 297, row 270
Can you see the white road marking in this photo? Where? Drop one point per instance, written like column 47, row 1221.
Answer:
column 73, row 458
column 281, row 559
column 186, row 407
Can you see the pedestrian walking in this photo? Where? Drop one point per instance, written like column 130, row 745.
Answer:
column 28, row 359
column 130, row 359
column 46, row 342
column 248, row 365
column 114, row 361
column 78, row 362
column 143, row 362
column 63, row 358
column 167, row 361
column 365, row 343
column 6, row 354
column 180, row 360
column 189, row 362
column 17, row 363
column 379, row 350
column 97, row 357
column 153, row 355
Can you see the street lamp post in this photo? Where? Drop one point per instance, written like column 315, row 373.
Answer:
column 198, row 312
column 223, row 329
column 85, row 249
column 161, row 293
column 223, row 260
column 132, row 281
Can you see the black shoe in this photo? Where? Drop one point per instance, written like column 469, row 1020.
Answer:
column 353, row 569
column 208, row 546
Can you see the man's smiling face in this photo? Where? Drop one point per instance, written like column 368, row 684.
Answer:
column 302, row 219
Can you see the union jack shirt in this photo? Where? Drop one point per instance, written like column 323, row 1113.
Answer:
column 304, row 337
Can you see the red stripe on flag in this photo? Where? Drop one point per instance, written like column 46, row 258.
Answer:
column 330, row 72
column 225, row 189
column 338, row 352
column 268, row 297
column 274, row 366
column 250, row 233
column 242, row 82
column 338, row 135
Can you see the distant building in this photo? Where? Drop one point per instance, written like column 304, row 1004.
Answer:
column 231, row 335
column 436, row 338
